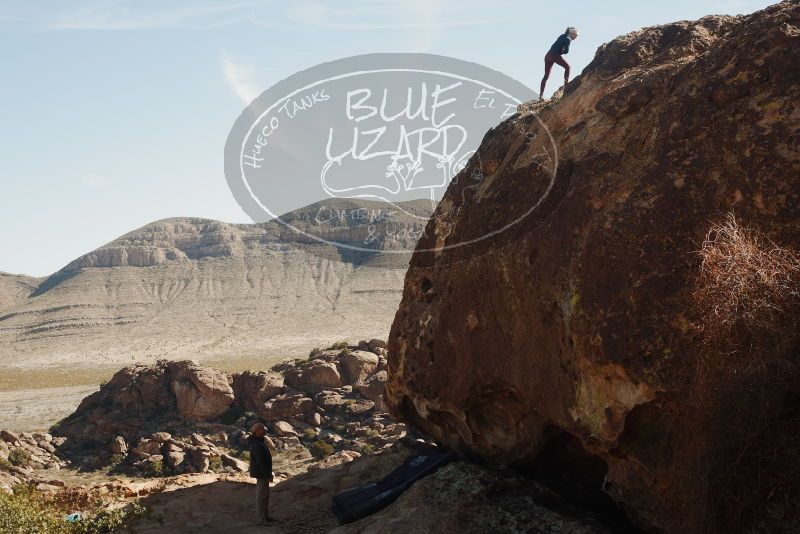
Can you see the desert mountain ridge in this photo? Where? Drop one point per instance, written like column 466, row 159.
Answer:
column 16, row 288
column 193, row 287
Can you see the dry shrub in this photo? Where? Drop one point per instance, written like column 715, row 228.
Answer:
column 747, row 384
column 745, row 280
column 29, row 511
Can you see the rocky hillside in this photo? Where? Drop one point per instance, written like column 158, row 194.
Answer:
column 15, row 289
column 168, row 439
column 206, row 289
column 178, row 417
column 577, row 338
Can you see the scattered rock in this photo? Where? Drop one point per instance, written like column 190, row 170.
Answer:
column 201, row 393
column 161, row 437
column 329, row 400
column 118, row 445
column 374, row 386
column 376, row 344
column 9, row 437
column 146, row 447
column 357, row 366
column 283, row 429
column 175, row 459
column 314, row 419
column 252, row 390
column 234, row 463
column 286, row 406
column 315, row 375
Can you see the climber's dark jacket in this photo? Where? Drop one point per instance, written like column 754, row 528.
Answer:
column 561, row 46
column 260, row 458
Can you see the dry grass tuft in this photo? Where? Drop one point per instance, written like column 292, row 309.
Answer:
column 745, row 280
column 747, row 383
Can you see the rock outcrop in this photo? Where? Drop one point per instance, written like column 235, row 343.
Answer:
column 141, row 394
column 252, row 389
column 201, row 393
column 313, row 400
column 576, row 327
column 23, row 455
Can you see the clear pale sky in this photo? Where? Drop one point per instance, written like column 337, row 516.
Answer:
column 115, row 113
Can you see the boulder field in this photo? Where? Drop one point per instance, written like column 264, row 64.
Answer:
column 576, row 318
column 181, row 417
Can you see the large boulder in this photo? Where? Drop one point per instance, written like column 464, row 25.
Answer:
column 567, row 323
column 135, row 394
column 144, row 394
column 118, row 445
column 374, row 386
column 253, row 389
column 201, row 393
column 283, row 429
column 9, row 437
column 285, row 407
column 357, row 365
column 313, row 375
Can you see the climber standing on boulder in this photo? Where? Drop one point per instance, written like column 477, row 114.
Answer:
column 556, row 55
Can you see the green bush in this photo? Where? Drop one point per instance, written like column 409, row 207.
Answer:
column 366, row 448
column 338, row 345
column 154, row 468
column 110, row 520
column 115, row 461
column 29, row 511
column 309, row 433
column 19, row 457
column 231, row 415
column 215, row 463
column 321, row 449
column 244, row 455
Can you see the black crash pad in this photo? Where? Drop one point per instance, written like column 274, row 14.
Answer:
column 362, row 501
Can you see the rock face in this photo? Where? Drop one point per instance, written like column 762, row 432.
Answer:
column 201, row 393
column 24, row 455
column 173, row 418
column 358, row 365
column 315, row 375
column 576, row 325
column 141, row 393
column 253, row 389
column 140, row 399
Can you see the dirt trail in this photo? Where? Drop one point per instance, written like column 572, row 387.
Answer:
column 301, row 504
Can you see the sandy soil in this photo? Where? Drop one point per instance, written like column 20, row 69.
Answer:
column 35, row 398
column 37, row 409
column 302, row 504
